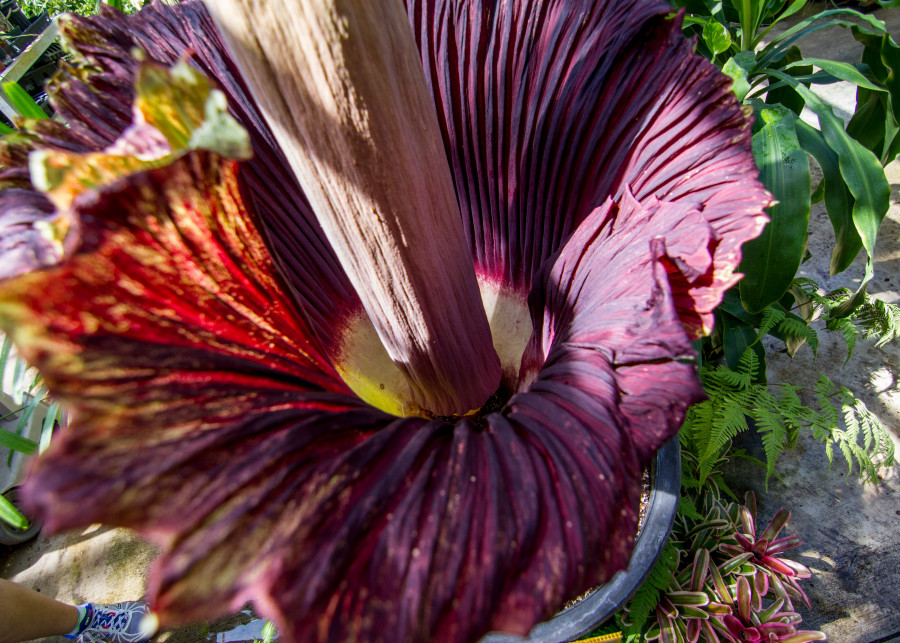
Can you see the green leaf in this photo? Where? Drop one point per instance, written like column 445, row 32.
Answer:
column 877, row 118
column 716, row 37
column 738, row 68
column 686, row 508
column 6, row 129
column 771, row 261
column 47, row 427
column 776, row 49
column 864, row 176
column 737, row 337
column 838, row 199
column 841, row 71
column 17, row 443
column 10, row 515
column 22, row 101
column 780, row 93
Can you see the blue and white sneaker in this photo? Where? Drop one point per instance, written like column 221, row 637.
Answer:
column 119, row 623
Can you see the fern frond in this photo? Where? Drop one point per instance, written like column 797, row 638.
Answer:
column 644, row 601
column 774, row 435
column 771, row 318
column 879, row 320
column 794, row 327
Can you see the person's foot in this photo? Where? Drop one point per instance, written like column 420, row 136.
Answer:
column 118, row 623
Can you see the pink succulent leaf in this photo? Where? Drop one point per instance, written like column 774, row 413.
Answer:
column 694, row 599
column 717, row 609
column 700, row 570
column 667, row 628
column 734, row 564
column 776, row 525
column 761, row 583
column 747, row 521
column 800, row 570
column 779, row 630
column 804, row 636
column 743, row 598
column 744, row 542
column 793, row 588
column 772, row 611
column 760, row 547
column 721, row 587
column 750, row 504
column 710, row 632
column 741, row 632
column 788, row 617
column 732, row 550
column 777, row 565
column 693, row 630
column 783, row 544
column 781, row 591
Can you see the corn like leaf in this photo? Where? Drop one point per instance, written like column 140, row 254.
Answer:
column 17, row 443
column 840, row 70
column 771, row 261
column 838, row 199
column 876, row 123
column 22, row 101
column 864, row 177
column 10, row 515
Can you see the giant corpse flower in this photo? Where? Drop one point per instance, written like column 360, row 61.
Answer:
column 326, row 425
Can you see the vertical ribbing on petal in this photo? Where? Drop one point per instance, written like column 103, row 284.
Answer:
column 341, row 85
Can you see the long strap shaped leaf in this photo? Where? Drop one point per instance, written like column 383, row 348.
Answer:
column 861, row 171
column 22, row 101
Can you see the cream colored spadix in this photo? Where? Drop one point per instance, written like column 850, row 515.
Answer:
column 341, row 86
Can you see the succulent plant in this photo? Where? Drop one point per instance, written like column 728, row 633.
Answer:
column 762, row 554
column 736, row 586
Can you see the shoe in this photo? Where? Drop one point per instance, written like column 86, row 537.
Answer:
column 118, row 623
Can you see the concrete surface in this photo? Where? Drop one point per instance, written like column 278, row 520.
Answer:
column 851, row 532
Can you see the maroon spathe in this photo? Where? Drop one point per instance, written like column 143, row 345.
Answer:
column 190, row 322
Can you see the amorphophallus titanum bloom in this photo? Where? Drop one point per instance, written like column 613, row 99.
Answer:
column 228, row 396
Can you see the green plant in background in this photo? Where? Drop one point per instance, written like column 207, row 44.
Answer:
column 716, row 581
column 32, row 8
column 28, row 392
column 772, row 78
column 268, row 633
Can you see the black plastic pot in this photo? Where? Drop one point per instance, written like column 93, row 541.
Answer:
column 603, row 602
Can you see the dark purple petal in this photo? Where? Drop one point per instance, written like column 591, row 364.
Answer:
column 550, row 108
column 27, row 238
column 605, row 319
column 203, row 417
